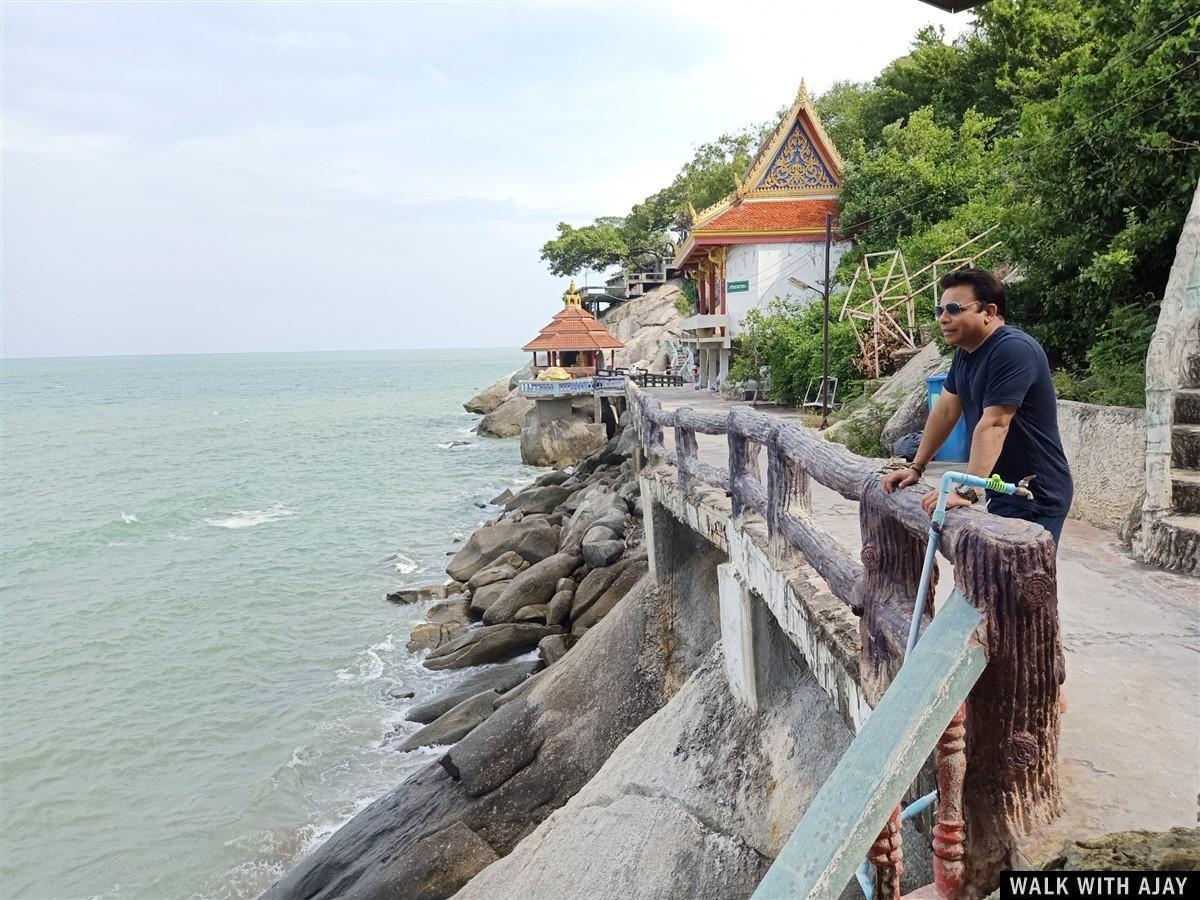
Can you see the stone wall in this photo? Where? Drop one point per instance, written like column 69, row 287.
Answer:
column 1106, row 447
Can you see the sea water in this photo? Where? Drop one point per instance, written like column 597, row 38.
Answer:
column 198, row 664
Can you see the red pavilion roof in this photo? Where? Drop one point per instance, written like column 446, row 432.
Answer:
column 574, row 329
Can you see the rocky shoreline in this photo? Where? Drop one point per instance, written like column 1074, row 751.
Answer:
column 550, row 566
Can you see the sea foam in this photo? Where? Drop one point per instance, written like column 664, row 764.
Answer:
column 248, row 518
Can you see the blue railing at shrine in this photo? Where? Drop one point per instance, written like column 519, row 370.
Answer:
column 573, row 387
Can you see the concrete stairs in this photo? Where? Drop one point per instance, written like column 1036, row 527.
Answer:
column 1176, row 537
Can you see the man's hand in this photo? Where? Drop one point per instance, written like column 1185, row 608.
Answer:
column 899, row 478
column 953, row 500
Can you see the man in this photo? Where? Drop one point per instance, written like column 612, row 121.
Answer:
column 1000, row 381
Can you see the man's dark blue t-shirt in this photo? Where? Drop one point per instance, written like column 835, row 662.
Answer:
column 1010, row 369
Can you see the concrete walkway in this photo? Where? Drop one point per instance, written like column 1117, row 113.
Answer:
column 1130, row 745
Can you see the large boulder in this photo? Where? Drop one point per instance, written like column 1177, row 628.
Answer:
column 490, row 575
column 496, row 679
column 456, row 609
column 539, row 499
column 437, row 864
column 486, row 596
column 431, row 635
column 604, row 551
column 907, row 379
column 532, row 541
column 552, row 649
column 506, row 419
column 621, row 586
column 535, row 585
column 644, row 325
column 697, row 802
column 559, row 608
column 492, row 643
column 489, row 398
column 454, row 724
column 559, row 442
column 593, row 586
column 597, row 504
column 909, row 416
column 424, row 593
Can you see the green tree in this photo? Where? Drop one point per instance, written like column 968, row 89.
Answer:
column 649, row 231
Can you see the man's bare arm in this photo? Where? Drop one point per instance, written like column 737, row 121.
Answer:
column 988, row 439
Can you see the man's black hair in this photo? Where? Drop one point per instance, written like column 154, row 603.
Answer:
column 986, row 286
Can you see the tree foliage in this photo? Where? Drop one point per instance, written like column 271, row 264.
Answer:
column 649, row 231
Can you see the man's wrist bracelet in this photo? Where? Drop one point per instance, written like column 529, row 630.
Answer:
column 919, row 468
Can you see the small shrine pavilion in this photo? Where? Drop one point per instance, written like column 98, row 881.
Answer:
column 574, row 341
column 765, row 238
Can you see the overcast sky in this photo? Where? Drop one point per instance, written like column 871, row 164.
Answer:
column 213, row 177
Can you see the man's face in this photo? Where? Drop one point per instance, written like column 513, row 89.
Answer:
column 969, row 326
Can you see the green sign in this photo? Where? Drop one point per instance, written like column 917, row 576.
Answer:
column 736, row 287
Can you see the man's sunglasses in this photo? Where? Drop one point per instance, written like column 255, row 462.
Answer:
column 953, row 308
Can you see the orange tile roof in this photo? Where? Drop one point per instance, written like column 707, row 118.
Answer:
column 574, row 329
column 771, row 216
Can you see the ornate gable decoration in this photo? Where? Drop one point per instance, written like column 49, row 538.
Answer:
column 797, row 166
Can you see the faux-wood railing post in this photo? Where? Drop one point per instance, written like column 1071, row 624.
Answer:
column 788, row 492
column 739, row 467
column 892, row 558
column 1011, row 784
column 685, row 448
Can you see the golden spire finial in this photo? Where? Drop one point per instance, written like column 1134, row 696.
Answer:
column 571, row 297
column 802, row 94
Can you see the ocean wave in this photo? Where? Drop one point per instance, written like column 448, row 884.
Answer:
column 369, row 665
column 248, row 518
column 403, row 564
column 129, row 518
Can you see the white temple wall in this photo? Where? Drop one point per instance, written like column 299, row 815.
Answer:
column 767, row 268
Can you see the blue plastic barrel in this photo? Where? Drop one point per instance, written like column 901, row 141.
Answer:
column 958, row 446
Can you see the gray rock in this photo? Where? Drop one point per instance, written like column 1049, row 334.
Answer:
column 425, row 593
column 559, row 608
column 454, row 724
column 496, row 679
column 602, row 553
column 503, row 497
column 909, row 416
column 534, row 585
column 486, row 596
column 599, row 504
column 602, row 533
column 489, row 398
column 535, row 613
column 400, row 692
column 497, row 571
column 614, row 523
column 714, row 789
column 551, row 478
column 559, row 442
column 592, row 587
column 491, row 643
column 534, row 542
column 627, row 442
column 506, row 419
column 524, row 374
column 565, row 584
column 630, row 491
column 552, row 649
column 623, row 584
column 539, row 499
column 430, row 635
column 437, row 865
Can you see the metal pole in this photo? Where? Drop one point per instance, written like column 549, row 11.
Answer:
column 825, row 294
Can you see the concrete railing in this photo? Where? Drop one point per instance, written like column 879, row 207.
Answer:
column 1000, row 764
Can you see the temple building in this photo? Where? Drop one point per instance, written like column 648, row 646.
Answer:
column 752, row 246
column 573, row 341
